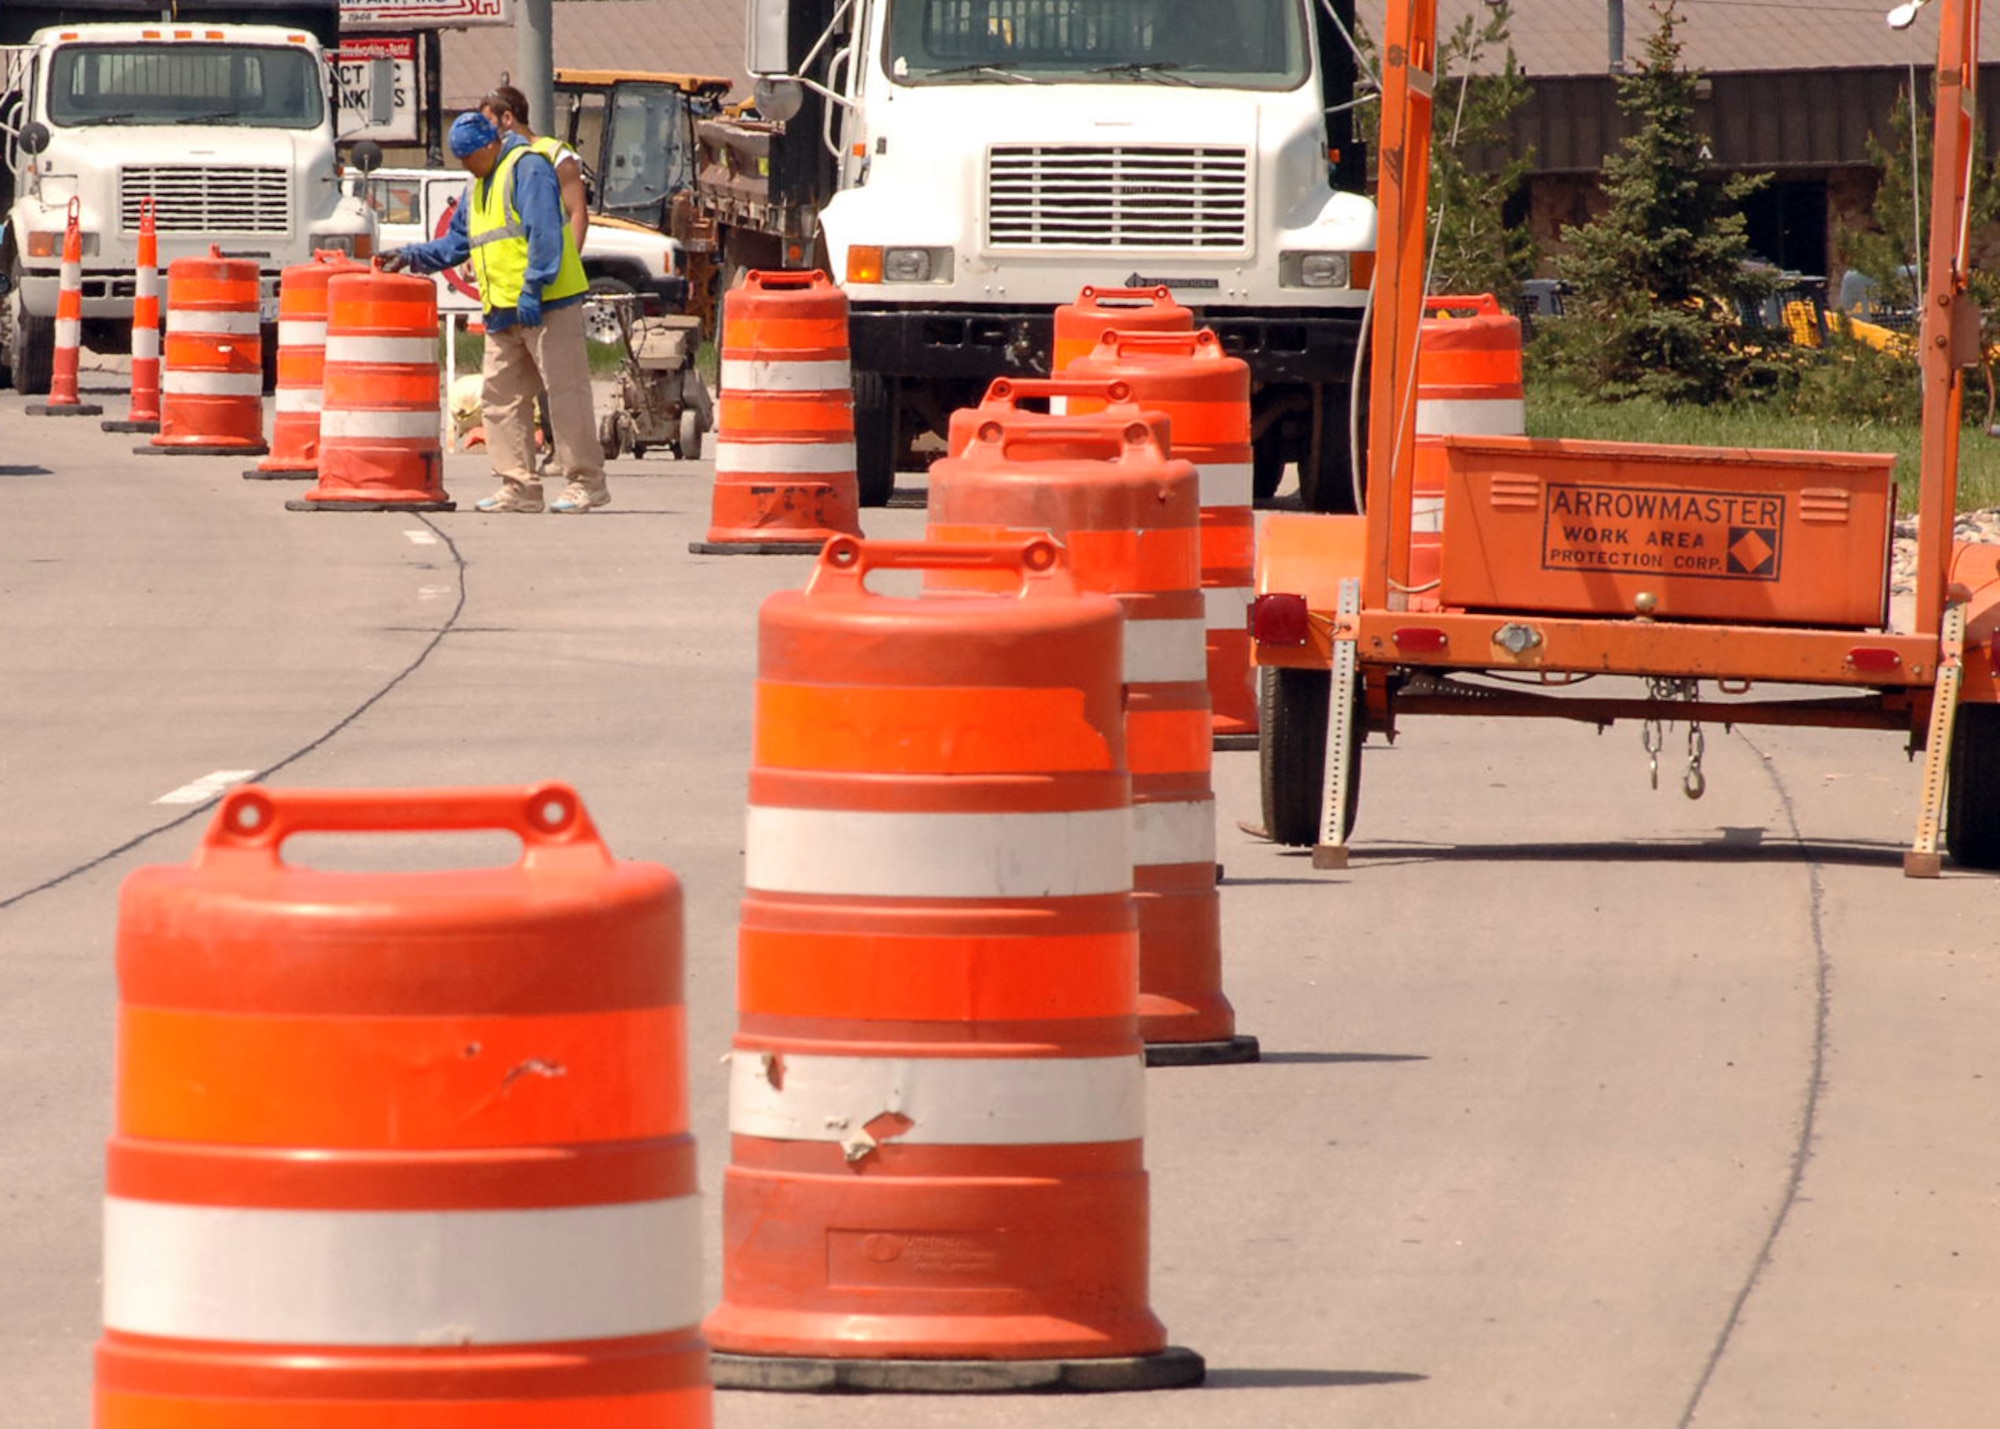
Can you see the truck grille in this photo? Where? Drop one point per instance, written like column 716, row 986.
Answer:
column 192, row 199
column 1048, row 195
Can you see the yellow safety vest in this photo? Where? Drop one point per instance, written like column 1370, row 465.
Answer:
column 500, row 242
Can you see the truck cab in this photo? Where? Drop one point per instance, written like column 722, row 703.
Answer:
column 224, row 130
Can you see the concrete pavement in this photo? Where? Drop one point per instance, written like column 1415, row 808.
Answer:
column 1582, row 1103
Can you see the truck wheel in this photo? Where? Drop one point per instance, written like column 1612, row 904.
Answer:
column 1267, row 472
column 268, row 338
column 31, row 347
column 690, row 444
column 874, row 437
column 1291, row 754
column 1972, row 789
column 600, row 320
column 1326, row 475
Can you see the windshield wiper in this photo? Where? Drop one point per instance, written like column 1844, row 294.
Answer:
column 1161, row 72
column 1003, row 70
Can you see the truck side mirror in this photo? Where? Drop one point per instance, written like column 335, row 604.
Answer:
column 365, row 155
column 779, row 99
column 34, row 137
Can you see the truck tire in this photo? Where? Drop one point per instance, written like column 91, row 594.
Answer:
column 1291, row 754
column 875, row 437
column 268, row 338
column 1326, row 475
column 31, row 347
column 1267, row 471
column 1972, row 789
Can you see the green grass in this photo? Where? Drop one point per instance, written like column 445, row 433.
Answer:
column 471, row 348
column 1556, row 412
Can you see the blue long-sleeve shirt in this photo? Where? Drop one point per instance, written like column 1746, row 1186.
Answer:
column 538, row 199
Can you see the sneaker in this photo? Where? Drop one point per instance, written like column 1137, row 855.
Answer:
column 578, row 498
column 511, row 498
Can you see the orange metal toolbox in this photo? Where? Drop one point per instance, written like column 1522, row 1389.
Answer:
column 1708, row 533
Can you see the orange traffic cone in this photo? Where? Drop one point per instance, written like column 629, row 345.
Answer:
column 64, row 400
column 381, row 444
column 937, row 1179
column 1130, row 517
column 387, row 1151
column 784, row 440
column 144, row 413
column 212, row 389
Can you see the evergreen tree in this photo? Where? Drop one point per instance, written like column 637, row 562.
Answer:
column 1658, row 275
column 1472, row 174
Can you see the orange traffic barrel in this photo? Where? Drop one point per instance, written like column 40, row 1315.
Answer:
column 401, row 1148
column 1096, row 311
column 784, row 432
column 381, row 446
column 1130, row 518
column 212, row 385
column 1469, row 383
column 144, row 413
column 1205, row 393
column 937, row 1176
column 64, row 398
column 302, row 320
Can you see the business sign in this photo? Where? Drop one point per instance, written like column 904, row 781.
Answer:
column 423, row 14
column 356, row 62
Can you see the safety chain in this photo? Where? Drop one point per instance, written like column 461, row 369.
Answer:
column 1652, row 736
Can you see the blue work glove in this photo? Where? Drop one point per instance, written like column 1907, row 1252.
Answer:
column 528, row 312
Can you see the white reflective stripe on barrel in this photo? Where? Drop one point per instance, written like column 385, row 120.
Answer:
column 763, row 374
column 182, row 383
column 188, row 321
column 1173, row 831
column 407, row 351
column 298, row 399
column 785, row 458
column 1226, row 483
column 145, row 342
column 401, row 1278
column 345, row 423
column 1427, row 513
column 1162, row 652
column 947, row 1101
column 1472, row 417
column 302, row 332
column 1060, row 854
column 1227, row 607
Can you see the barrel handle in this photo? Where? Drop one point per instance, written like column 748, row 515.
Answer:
column 1136, row 439
column 845, row 562
column 784, row 280
column 1482, row 304
column 1006, row 391
column 548, row 818
column 1159, row 296
column 1200, row 343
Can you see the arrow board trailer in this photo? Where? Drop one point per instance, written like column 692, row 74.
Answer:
column 1699, row 585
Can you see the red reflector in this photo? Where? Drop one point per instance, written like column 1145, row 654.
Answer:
column 1279, row 620
column 1420, row 639
column 1873, row 659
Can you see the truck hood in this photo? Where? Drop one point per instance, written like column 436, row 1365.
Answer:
column 205, row 145
column 1126, row 112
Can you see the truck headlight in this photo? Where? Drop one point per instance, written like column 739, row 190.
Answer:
column 50, row 244
column 1313, row 270
column 354, row 245
column 871, row 264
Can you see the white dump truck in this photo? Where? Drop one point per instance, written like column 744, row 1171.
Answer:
column 975, row 163
column 225, row 124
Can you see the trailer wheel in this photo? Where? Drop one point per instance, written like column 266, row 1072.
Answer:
column 1291, row 754
column 875, row 437
column 1972, row 789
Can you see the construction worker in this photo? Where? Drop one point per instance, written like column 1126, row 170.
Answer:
column 531, row 283
column 507, row 107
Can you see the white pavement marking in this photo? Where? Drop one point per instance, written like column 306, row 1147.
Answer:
column 422, row 538
column 206, row 787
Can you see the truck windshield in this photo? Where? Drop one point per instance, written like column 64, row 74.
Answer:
column 254, row 86
column 1255, row 44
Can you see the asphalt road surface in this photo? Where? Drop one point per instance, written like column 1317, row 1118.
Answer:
column 1582, row 1103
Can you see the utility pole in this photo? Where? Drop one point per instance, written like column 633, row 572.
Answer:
column 535, row 60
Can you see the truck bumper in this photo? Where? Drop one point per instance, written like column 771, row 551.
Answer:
column 110, row 293
column 1281, row 345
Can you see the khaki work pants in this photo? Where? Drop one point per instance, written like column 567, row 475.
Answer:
column 520, row 364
